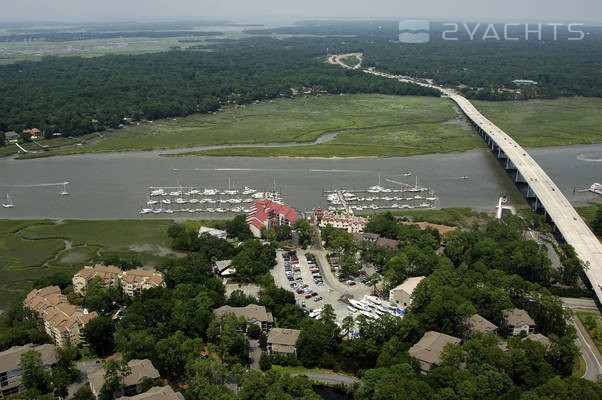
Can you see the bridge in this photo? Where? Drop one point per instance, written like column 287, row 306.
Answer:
column 537, row 187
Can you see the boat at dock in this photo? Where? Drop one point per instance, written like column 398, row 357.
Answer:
column 8, row 203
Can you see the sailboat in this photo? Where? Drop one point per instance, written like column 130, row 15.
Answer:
column 8, row 202
column 64, row 192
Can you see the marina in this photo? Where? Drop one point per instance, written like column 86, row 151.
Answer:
column 179, row 199
column 404, row 196
column 117, row 185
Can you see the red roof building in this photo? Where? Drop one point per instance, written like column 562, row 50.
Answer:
column 268, row 213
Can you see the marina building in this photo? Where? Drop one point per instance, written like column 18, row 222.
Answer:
column 268, row 213
column 402, row 294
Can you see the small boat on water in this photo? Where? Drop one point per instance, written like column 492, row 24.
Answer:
column 406, row 174
column 166, row 201
column 193, row 201
column 146, row 211
column 248, row 191
column 180, row 200
column 64, row 192
column 158, row 192
column 211, row 210
column 176, row 193
column 8, row 203
column 210, row 192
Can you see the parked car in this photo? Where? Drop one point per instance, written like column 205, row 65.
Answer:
column 299, row 291
column 308, row 296
column 314, row 294
column 316, row 299
column 294, row 285
column 302, row 304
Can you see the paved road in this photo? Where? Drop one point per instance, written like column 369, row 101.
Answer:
column 589, row 351
column 86, row 368
column 336, row 59
column 570, row 224
column 254, row 354
column 330, row 378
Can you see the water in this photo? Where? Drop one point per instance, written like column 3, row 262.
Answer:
column 115, row 185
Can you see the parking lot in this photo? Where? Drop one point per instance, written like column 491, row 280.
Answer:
column 329, row 291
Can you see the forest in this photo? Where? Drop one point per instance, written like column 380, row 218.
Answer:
column 76, row 96
column 484, row 270
column 484, row 69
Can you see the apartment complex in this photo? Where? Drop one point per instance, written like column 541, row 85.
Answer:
column 283, row 341
column 516, row 321
column 140, row 370
column 132, row 281
column 10, row 366
column 254, row 314
column 428, row 349
column 158, row 393
column 346, row 222
column 62, row 321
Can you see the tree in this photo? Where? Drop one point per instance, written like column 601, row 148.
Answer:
column 238, row 227
column 304, row 230
column 83, row 393
column 328, row 314
column 597, row 222
column 264, row 361
column 99, row 335
column 34, row 376
column 348, row 324
column 238, row 372
column 253, row 331
column 263, row 341
column 114, row 372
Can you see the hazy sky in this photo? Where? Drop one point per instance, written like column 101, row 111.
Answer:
column 96, row 10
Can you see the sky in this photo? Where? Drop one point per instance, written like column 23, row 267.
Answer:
column 247, row 10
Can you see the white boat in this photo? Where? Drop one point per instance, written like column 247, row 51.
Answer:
column 166, row 201
column 373, row 299
column 405, row 206
column 366, row 314
column 258, row 195
column 352, row 309
column 220, row 210
column 211, row 210
column 418, row 197
column 596, row 188
column 235, row 201
column 375, row 189
column 248, row 191
column 169, row 211
column 146, row 211
column 425, row 205
column 64, row 192
column 158, row 192
column 176, row 193
column 247, row 200
column 193, row 201
column 211, row 201
column 394, row 205
column 180, row 200
column 157, row 210
column 247, row 210
column 191, row 210
column 357, row 305
column 231, row 192
column 210, row 192
column 152, row 202
column 193, row 192
column 431, row 198
column 236, row 209
column 406, row 174
column 8, row 203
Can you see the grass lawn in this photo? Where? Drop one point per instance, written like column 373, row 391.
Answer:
column 351, row 61
column 30, row 249
column 589, row 213
column 461, row 217
column 580, row 367
column 367, row 124
column 547, row 122
column 594, row 328
column 298, row 369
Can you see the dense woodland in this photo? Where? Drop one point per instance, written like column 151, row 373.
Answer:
column 76, row 96
column 562, row 67
column 483, row 270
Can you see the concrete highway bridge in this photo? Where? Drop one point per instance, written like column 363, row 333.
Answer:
column 535, row 185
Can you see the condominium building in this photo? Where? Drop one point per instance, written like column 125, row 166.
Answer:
column 140, row 370
column 346, row 222
column 10, row 366
column 253, row 313
column 132, row 281
column 62, row 321
column 268, row 213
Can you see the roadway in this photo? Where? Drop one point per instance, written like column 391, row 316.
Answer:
column 587, row 347
column 570, row 224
